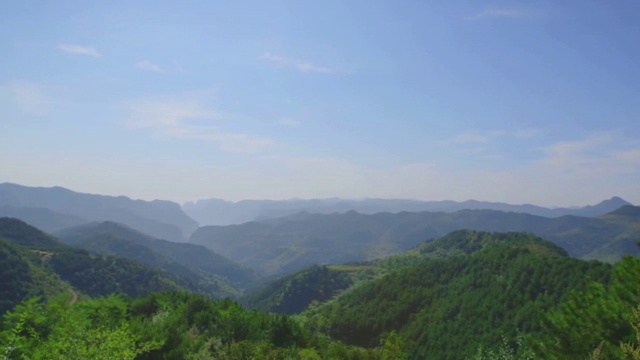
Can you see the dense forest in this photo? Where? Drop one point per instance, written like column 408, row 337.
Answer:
column 466, row 295
column 283, row 245
column 163, row 326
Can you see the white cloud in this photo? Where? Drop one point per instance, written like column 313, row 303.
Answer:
column 178, row 67
column 470, row 138
column 564, row 150
column 281, row 177
column 29, row 97
column 632, row 156
column 190, row 120
column 599, row 157
column 288, row 122
column 149, row 66
column 80, row 50
column 527, row 133
column 506, row 13
column 487, row 137
column 300, row 65
column 577, row 172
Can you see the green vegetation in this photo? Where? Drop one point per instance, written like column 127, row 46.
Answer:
column 34, row 263
column 295, row 242
column 447, row 300
column 292, row 294
column 15, row 277
column 467, row 295
column 202, row 270
column 163, row 326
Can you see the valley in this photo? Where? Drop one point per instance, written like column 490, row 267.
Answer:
column 442, row 285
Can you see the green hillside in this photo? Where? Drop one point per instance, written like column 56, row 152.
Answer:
column 466, row 289
column 298, row 241
column 35, row 263
column 52, row 206
column 44, row 219
column 209, row 271
column 467, row 295
column 292, row 294
column 170, row 326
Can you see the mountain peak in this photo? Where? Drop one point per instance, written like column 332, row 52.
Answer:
column 616, row 200
column 627, row 210
column 603, row 207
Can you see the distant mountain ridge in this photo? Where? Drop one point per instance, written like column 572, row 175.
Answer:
column 214, row 273
column 55, row 208
column 221, row 212
column 35, row 263
column 297, row 241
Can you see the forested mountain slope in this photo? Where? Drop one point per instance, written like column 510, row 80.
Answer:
column 169, row 326
column 44, row 219
column 35, row 263
column 194, row 262
column 472, row 288
column 292, row 294
column 297, row 241
column 162, row 219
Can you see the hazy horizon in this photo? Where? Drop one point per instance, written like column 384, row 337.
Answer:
column 522, row 102
column 193, row 201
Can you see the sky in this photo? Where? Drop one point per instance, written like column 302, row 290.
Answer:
column 513, row 101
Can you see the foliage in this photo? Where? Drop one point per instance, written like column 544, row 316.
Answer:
column 506, row 351
column 161, row 326
column 34, row 263
column 298, row 241
column 14, row 276
column 631, row 350
column 445, row 306
column 96, row 329
column 292, row 294
column 594, row 317
column 195, row 262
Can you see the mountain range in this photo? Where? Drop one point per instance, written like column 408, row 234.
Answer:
column 467, row 294
column 213, row 274
column 55, row 208
column 98, row 259
column 293, row 242
column 221, row 212
column 33, row 263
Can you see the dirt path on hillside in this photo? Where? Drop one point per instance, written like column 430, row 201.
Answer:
column 74, row 297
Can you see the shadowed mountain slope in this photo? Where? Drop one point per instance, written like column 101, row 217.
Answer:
column 297, row 241
column 34, row 263
column 162, row 219
column 193, row 261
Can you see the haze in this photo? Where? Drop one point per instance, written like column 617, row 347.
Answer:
column 518, row 102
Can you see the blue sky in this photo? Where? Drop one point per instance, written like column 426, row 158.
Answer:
column 520, row 101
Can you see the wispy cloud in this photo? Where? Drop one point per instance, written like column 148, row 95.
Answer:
column 80, row 50
column 147, row 65
column 470, row 138
column 178, row 67
column 28, row 97
column 489, row 136
column 569, row 172
column 631, row 156
column 526, row 133
column 502, row 13
column 598, row 155
column 288, row 122
column 300, row 65
column 190, row 120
